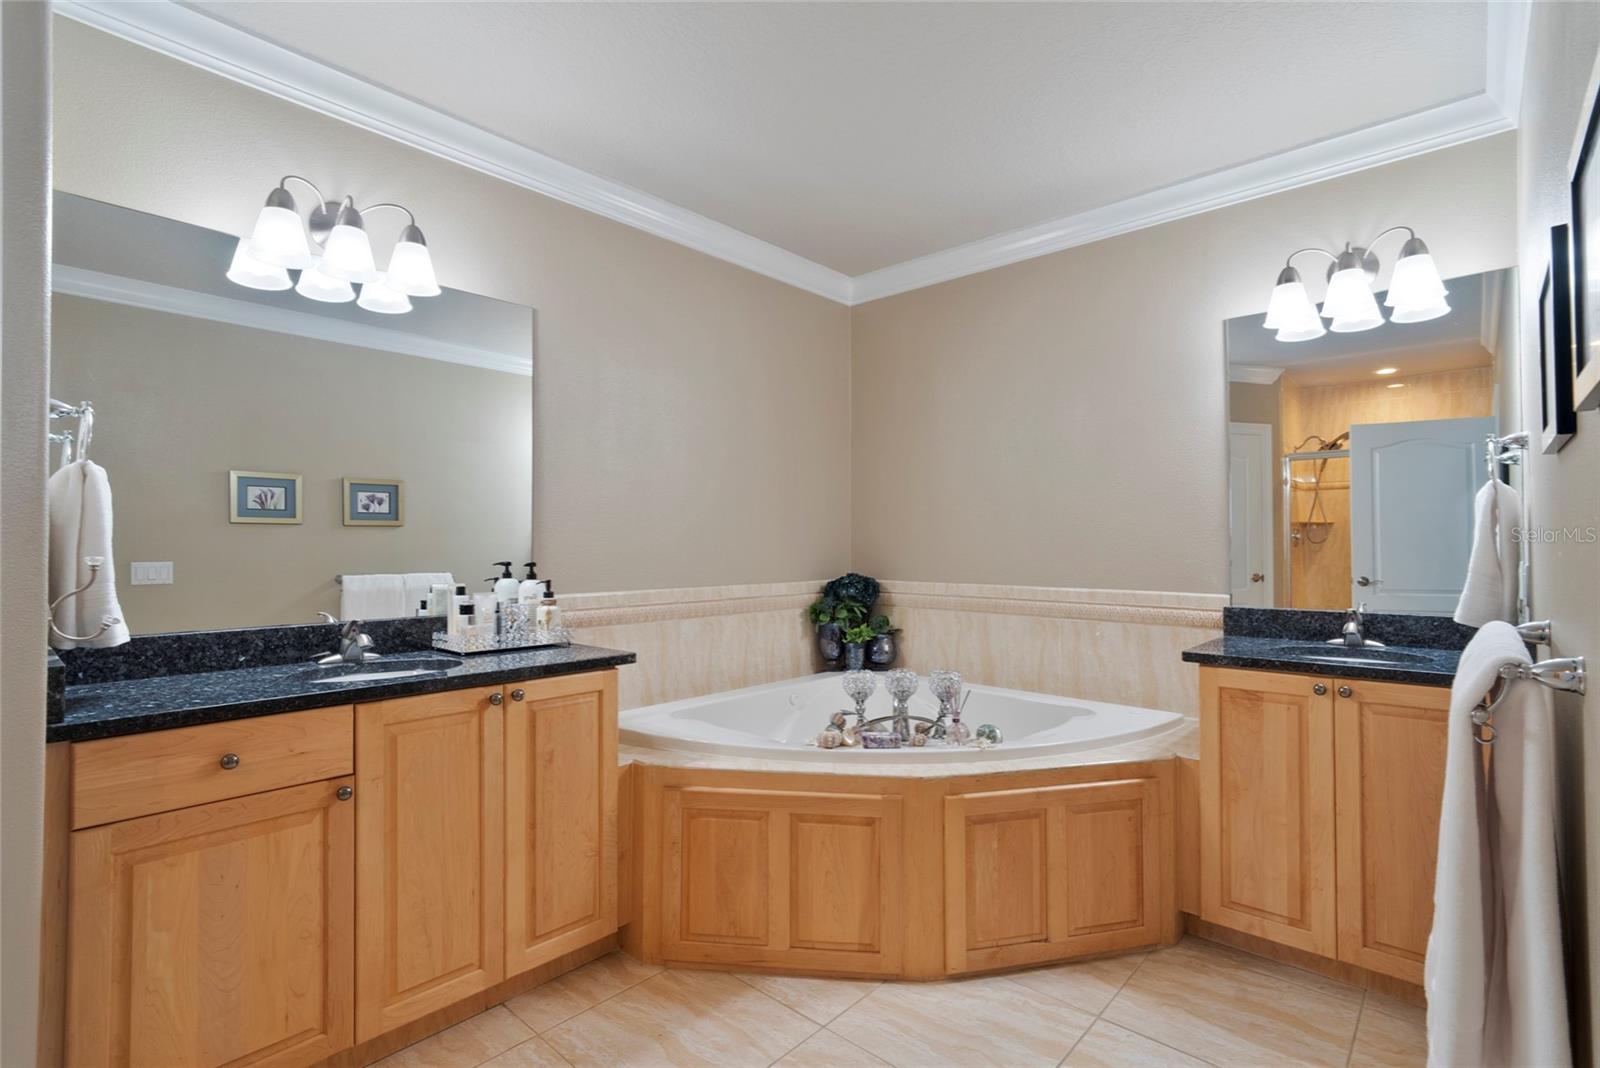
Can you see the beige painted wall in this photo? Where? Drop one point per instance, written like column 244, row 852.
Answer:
column 183, row 401
column 691, row 419
column 1060, row 421
column 24, row 371
column 1564, row 489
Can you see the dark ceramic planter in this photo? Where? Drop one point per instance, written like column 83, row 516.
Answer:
column 830, row 643
column 855, row 656
column 881, row 651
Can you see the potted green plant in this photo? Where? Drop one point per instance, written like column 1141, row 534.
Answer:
column 844, row 603
column 855, row 645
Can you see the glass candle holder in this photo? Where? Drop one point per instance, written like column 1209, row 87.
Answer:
column 858, row 686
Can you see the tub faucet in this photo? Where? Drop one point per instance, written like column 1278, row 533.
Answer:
column 354, row 646
column 1353, row 635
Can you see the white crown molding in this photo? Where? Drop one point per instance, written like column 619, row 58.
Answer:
column 1255, row 376
column 215, row 46
column 1508, row 55
column 1389, row 142
column 137, row 293
column 195, row 38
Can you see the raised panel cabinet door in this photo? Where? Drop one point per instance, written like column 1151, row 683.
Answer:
column 561, row 816
column 430, row 846
column 777, row 878
column 1052, row 872
column 1391, row 753
column 215, row 935
column 1267, row 807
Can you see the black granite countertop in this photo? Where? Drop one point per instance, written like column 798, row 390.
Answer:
column 1425, row 649
column 1431, row 667
column 133, row 706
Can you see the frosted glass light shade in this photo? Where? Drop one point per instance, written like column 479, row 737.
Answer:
column 1350, row 303
column 279, row 238
column 1289, row 304
column 1415, row 282
column 247, row 271
column 348, row 255
column 411, row 266
column 315, row 285
column 379, row 297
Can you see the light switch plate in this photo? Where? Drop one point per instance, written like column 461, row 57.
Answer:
column 151, row 573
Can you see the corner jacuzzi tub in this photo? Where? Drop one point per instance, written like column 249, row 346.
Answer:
column 777, row 721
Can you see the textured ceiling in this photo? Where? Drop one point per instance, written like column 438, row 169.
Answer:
column 862, row 135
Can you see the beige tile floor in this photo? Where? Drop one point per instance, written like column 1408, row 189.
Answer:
column 1193, row 1004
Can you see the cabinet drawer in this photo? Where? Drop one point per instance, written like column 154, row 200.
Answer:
column 121, row 778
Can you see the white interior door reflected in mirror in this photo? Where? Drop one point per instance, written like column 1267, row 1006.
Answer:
column 1411, row 494
column 1250, row 514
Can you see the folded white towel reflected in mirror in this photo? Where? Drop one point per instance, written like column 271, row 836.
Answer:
column 79, row 499
column 1490, row 591
column 387, row 596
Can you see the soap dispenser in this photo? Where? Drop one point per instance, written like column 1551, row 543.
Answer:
column 548, row 614
column 531, row 591
column 505, row 587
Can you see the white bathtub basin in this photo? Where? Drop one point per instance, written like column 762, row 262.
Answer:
column 776, row 721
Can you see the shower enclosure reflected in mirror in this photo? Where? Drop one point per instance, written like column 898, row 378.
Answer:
column 1354, row 458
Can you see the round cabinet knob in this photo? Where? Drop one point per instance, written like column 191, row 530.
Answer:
column 497, row 698
column 1344, row 691
column 517, row 695
column 344, row 793
column 229, row 761
column 1319, row 689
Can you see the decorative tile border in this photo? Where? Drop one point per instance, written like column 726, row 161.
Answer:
column 1154, row 608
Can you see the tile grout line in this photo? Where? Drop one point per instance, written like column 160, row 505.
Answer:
column 1100, row 1016
column 1356, row 1030
column 875, row 985
column 848, row 1042
column 540, row 1034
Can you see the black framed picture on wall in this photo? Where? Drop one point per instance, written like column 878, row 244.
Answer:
column 1558, row 420
column 1585, row 171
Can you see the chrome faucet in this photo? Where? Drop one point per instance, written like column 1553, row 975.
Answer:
column 354, row 646
column 1352, row 635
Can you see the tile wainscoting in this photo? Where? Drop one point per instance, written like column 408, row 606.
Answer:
column 1122, row 646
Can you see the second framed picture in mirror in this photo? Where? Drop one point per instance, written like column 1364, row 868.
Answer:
column 1354, row 458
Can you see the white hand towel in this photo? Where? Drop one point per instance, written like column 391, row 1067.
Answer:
column 373, row 597
column 1493, row 973
column 79, row 500
column 419, row 584
column 1490, row 591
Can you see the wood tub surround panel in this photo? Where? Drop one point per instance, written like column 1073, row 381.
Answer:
column 1046, row 874
column 561, row 816
column 778, row 878
column 914, row 878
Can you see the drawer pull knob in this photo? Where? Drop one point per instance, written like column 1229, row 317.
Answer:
column 517, row 695
column 344, row 793
column 1344, row 691
column 229, row 761
column 1319, row 689
column 496, row 698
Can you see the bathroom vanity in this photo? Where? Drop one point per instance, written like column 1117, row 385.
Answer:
column 279, row 888
column 1319, row 784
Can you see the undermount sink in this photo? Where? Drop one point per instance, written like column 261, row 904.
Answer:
column 1367, row 656
column 388, row 667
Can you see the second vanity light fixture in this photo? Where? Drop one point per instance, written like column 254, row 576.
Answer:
column 336, row 254
column 1416, row 292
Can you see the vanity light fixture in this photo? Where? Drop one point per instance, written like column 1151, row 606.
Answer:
column 1386, row 371
column 1416, row 292
column 336, row 253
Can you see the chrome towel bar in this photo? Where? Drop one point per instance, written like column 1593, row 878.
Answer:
column 1566, row 673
